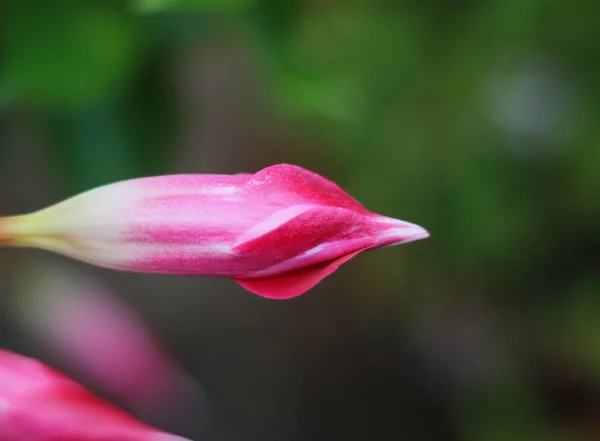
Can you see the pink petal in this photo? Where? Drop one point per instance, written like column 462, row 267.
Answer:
column 293, row 283
column 84, row 324
column 280, row 219
column 39, row 403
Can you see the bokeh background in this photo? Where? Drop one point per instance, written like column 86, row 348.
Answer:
column 478, row 120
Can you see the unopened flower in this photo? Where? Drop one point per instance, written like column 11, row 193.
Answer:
column 89, row 330
column 39, row 403
column 277, row 232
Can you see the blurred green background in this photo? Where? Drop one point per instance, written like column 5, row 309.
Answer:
column 478, row 120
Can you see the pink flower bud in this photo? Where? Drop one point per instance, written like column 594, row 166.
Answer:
column 277, row 232
column 38, row 403
column 91, row 332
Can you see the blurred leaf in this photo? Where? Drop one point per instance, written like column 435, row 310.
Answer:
column 506, row 411
column 334, row 98
column 67, row 53
column 148, row 113
column 128, row 138
column 154, row 6
column 584, row 163
column 7, row 98
column 274, row 20
column 580, row 335
column 91, row 148
column 342, row 63
column 172, row 30
column 490, row 219
column 123, row 138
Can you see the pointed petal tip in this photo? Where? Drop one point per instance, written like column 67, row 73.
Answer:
column 402, row 232
column 412, row 234
column 420, row 233
column 168, row 437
